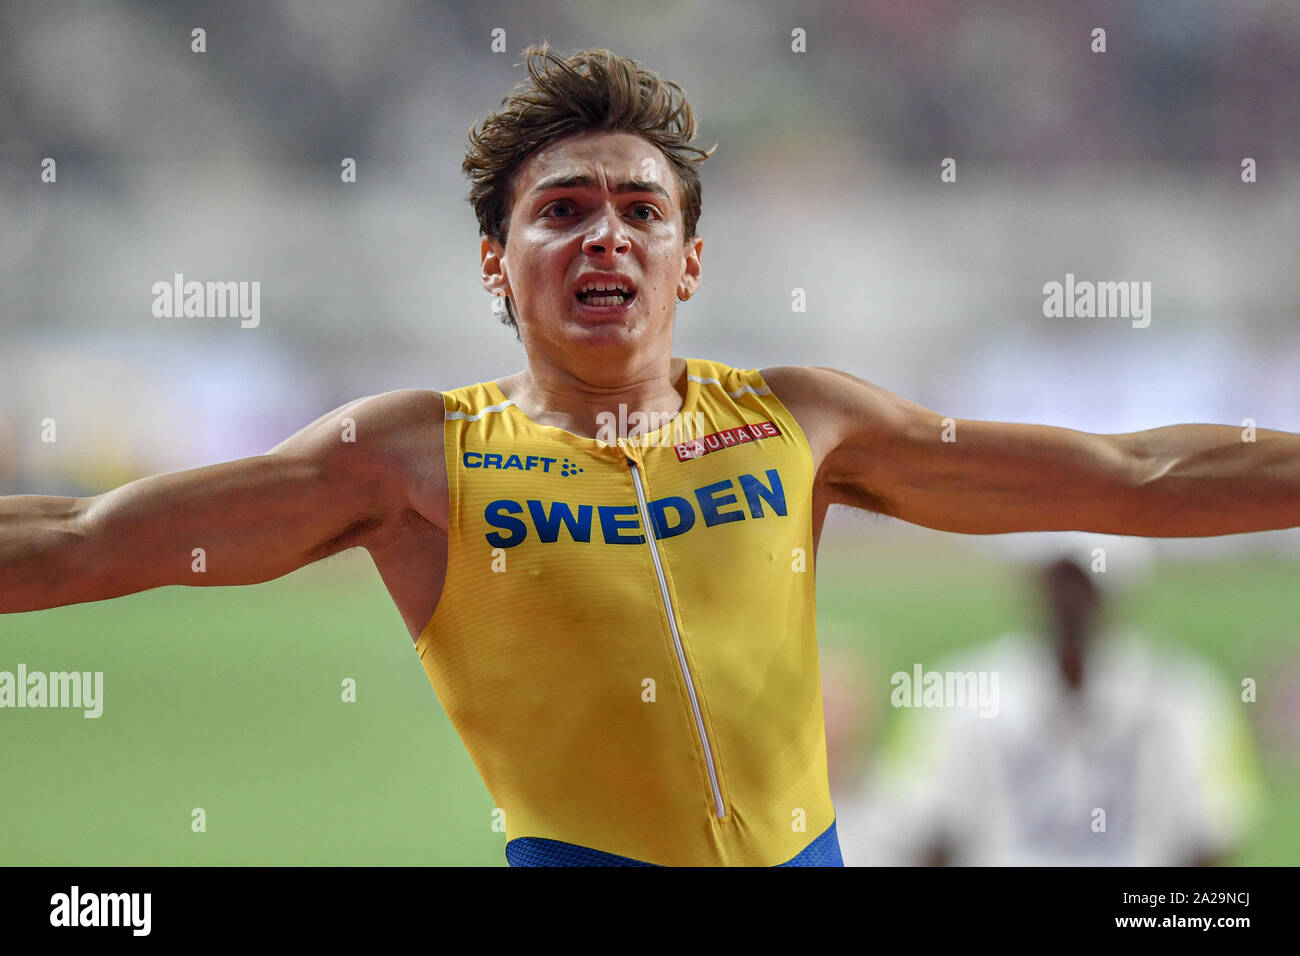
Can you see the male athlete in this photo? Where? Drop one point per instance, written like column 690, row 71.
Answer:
column 624, row 633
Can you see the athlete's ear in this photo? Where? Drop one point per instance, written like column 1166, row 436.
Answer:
column 691, row 278
column 493, row 274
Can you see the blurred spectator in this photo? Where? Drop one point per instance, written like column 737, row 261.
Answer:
column 1087, row 720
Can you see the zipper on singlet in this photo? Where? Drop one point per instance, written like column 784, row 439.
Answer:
column 648, row 527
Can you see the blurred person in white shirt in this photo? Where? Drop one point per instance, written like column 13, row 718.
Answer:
column 1102, row 750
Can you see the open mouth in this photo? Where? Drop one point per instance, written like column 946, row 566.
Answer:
column 610, row 298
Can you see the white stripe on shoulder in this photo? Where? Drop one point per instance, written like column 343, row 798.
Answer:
column 737, row 393
column 456, row 416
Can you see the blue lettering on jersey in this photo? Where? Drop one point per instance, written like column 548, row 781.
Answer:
column 671, row 515
column 754, row 489
column 658, row 515
column 496, row 519
column 611, row 526
column 548, row 526
column 477, row 459
column 709, row 502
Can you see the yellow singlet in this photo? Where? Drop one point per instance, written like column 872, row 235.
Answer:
column 631, row 701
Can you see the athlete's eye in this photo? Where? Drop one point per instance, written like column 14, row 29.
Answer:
column 562, row 207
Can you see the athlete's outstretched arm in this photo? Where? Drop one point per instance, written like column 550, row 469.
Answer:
column 891, row 455
column 255, row 518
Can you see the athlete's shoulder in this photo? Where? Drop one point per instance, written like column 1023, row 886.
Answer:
column 798, row 381
column 365, row 424
column 733, row 379
column 468, row 401
column 400, row 409
column 405, row 428
column 813, row 395
column 831, row 394
column 404, row 425
column 388, row 444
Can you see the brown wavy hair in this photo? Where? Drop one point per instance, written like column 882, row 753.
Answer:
column 591, row 90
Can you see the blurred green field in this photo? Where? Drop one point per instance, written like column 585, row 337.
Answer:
column 229, row 699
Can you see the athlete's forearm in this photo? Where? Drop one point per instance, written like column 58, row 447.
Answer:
column 39, row 539
column 1201, row 480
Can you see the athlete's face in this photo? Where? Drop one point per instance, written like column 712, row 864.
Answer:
column 604, row 202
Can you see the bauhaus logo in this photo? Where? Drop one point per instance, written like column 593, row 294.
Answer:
column 710, row 505
column 727, row 438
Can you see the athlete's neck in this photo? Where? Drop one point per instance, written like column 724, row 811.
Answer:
column 562, row 399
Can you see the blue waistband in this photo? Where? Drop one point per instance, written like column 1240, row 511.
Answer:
column 535, row 851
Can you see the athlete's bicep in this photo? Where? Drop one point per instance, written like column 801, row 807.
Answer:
column 972, row 477
column 329, row 487
column 391, row 447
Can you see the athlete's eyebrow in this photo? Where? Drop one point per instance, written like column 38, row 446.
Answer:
column 583, row 181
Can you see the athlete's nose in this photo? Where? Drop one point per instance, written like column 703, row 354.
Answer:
column 607, row 234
